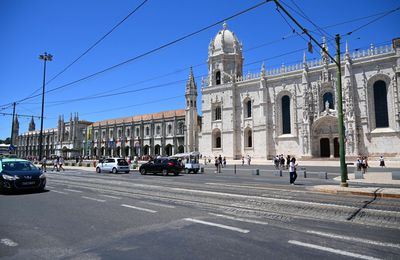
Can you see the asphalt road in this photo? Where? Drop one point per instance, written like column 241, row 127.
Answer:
column 84, row 215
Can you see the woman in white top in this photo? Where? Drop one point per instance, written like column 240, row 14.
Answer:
column 292, row 170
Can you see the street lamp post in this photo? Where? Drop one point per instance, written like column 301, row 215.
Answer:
column 46, row 57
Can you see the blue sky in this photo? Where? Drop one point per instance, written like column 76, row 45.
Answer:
column 155, row 82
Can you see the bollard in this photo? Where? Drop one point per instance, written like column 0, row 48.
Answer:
column 256, row 172
column 234, row 168
column 202, row 169
column 304, row 172
column 323, row 175
column 278, row 173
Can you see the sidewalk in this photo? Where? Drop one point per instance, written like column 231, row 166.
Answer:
column 373, row 178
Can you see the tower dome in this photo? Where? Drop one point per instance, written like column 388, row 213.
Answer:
column 225, row 42
column 225, row 61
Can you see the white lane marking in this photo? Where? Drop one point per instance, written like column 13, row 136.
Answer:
column 239, row 219
column 89, row 198
column 51, row 187
column 61, row 192
column 217, row 225
column 332, row 250
column 138, row 208
column 355, row 239
column 255, row 187
column 77, row 191
column 8, row 242
column 158, row 204
column 109, row 196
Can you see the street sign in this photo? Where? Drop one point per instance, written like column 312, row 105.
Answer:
column 11, row 148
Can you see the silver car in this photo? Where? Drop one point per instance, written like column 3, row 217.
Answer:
column 113, row 165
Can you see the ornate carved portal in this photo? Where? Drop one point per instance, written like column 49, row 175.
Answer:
column 325, row 137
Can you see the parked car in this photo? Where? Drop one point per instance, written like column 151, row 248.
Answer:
column 113, row 165
column 19, row 174
column 161, row 165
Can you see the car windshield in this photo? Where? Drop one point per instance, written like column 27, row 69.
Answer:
column 18, row 166
column 122, row 162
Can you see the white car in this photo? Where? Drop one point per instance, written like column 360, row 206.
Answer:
column 113, row 165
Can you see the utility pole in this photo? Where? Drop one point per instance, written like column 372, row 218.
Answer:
column 12, row 125
column 46, row 57
column 343, row 166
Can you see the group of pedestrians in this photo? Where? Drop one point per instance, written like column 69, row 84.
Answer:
column 248, row 157
column 279, row 161
column 57, row 163
column 219, row 162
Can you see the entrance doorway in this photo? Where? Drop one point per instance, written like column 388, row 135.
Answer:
column 336, row 147
column 324, row 147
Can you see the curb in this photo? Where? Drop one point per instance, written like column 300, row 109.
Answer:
column 379, row 194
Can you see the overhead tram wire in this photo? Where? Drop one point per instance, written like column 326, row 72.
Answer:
column 153, row 50
column 5, row 106
column 259, row 46
column 292, row 35
column 376, row 19
column 89, row 49
column 303, row 14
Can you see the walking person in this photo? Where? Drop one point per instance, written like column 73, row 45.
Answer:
column 60, row 163
column 248, row 159
column 216, row 163
column 242, row 160
column 55, row 164
column 224, row 162
column 287, row 161
column 382, row 162
column 220, row 161
column 44, row 164
column 292, row 170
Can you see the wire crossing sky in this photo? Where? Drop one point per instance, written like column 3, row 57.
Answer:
column 156, row 82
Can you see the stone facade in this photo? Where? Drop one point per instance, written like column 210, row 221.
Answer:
column 293, row 110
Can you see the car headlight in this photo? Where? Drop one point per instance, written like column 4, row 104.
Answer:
column 9, row 177
column 42, row 176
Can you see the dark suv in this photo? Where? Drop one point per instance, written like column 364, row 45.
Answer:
column 163, row 165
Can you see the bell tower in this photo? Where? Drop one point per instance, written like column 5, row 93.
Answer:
column 191, row 133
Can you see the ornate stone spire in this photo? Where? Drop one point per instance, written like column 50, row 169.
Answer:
column 32, row 126
column 263, row 70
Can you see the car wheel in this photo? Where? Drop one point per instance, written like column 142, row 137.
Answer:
column 164, row 172
column 176, row 173
column 114, row 170
column 196, row 171
column 98, row 170
column 186, row 170
column 143, row 172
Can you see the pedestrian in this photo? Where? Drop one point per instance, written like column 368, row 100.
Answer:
column 287, row 161
column 55, row 164
column 44, row 164
column 292, row 170
column 364, row 164
column 224, row 162
column 276, row 162
column 216, row 163
column 242, row 160
column 248, row 159
column 382, row 162
column 220, row 161
column 359, row 163
column 60, row 163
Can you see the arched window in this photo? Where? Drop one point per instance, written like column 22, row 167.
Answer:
column 137, row 132
column 147, row 130
column 380, row 102
column 218, row 78
column 119, row 133
column 217, row 113
column 128, row 132
column 248, row 108
column 169, row 129
column 158, row 130
column 328, row 97
column 286, row 115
